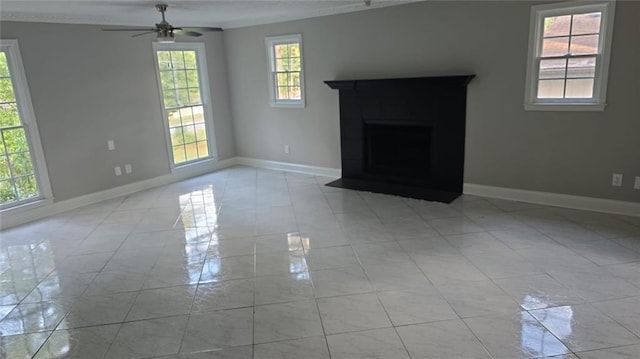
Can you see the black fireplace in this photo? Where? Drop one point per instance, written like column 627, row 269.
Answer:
column 403, row 136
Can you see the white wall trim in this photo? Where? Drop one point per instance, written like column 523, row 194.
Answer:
column 555, row 199
column 290, row 167
column 8, row 220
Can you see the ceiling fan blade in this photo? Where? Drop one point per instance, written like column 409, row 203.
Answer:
column 202, row 29
column 138, row 29
column 144, row 33
column 183, row 32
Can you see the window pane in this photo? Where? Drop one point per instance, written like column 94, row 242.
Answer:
column 294, row 79
column 190, row 61
column 4, row 68
column 183, row 96
column 579, row 88
column 557, row 25
column 282, row 64
column 4, row 168
column 586, row 23
column 174, row 118
column 6, row 90
column 26, row 187
column 582, row 67
column 198, row 114
column 294, row 93
column 9, row 115
column 192, row 151
column 192, row 78
column 166, row 78
column 15, row 140
column 170, row 99
column 7, row 192
column 550, row 88
column 177, row 60
column 189, row 134
column 194, row 96
column 555, row 46
column 282, row 79
column 552, row 69
column 203, row 149
column 283, row 92
column 181, row 79
column 187, row 116
column 164, row 60
column 294, row 50
column 178, row 154
column 21, row 164
column 201, row 132
column 584, row 45
column 176, row 136
column 295, row 64
column 281, row 51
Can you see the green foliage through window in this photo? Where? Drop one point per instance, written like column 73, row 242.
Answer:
column 183, row 103
column 17, row 174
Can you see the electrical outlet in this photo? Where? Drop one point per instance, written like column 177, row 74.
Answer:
column 111, row 145
column 636, row 185
column 617, row 180
column 286, row 149
column 127, row 168
column 118, row 171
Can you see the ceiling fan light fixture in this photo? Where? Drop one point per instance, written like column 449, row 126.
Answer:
column 166, row 38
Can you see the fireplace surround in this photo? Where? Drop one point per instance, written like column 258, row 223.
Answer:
column 403, row 136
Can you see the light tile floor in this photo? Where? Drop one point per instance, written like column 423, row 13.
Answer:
column 251, row 263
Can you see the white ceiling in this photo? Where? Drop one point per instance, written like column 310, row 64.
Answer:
column 225, row 14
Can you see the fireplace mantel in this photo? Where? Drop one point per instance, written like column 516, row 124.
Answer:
column 404, row 83
column 403, row 136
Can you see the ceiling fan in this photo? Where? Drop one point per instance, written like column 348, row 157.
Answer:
column 166, row 32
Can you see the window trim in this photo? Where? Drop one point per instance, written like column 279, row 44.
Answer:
column 538, row 13
column 28, row 119
column 205, row 96
column 270, row 43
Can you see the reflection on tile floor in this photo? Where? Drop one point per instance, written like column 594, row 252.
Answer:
column 252, row 263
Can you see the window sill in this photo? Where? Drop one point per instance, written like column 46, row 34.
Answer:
column 287, row 104
column 195, row 166
column 591, row 107
column 26, row 207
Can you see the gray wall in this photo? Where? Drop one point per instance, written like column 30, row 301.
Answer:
column 572, row 153
column 89, row 86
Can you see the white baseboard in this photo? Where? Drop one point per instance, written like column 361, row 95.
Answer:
column 46, row 209
column 290, row 167
column 14, row 218
column 555, row 199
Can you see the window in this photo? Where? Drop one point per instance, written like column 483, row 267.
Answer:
column 569, row 49
column 184, row 87
column 23, row 176
column 286, row 77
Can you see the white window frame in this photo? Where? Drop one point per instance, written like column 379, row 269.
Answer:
column 538, row 13
column 205, row 96
column 28, row 118
column 270, row 43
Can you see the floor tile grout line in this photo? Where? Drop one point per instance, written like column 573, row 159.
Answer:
column 313, row 290
column 67, row 312
column 375, row 290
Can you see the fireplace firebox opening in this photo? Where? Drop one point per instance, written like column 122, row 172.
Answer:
column 398, row 151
